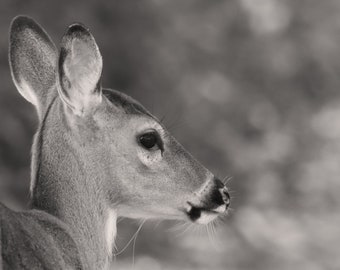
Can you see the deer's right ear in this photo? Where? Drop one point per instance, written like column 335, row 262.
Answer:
column 32, row 58
column 79, row 70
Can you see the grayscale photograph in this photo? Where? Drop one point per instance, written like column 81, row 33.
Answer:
column 167, row 134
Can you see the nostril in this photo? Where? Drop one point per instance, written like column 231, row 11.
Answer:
column 226, row 196
column 223, row 191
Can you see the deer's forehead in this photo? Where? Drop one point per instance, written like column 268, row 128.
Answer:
column 126, row 113
column 125, row 103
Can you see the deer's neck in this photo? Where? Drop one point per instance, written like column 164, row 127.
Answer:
column 64, row 186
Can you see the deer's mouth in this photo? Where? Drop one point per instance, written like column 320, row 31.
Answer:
column 201, row 215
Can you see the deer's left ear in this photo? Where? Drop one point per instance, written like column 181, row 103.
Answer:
column 79, row 70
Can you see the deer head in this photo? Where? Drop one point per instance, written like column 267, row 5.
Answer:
column 97, row 149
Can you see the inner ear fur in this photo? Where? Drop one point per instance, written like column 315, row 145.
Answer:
column 79, row 70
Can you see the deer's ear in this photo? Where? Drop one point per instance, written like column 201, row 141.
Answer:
column 79, row 70
column 33, row 60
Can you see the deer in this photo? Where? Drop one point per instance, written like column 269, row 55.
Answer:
column 97, row 155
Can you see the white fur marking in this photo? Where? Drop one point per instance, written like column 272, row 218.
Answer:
column 220, row 209
column 111, row 230
column 206, row 217
column 26, row 91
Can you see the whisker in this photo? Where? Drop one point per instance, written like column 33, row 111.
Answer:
column 179, row 229
column 134, row 243
column 172, row 121
column 210, row 235
column 227, row 179
column 178, row 226
column 132, row 238
column 158, row 223
column 189, row 227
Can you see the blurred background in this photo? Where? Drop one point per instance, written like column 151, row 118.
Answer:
column 250, row 87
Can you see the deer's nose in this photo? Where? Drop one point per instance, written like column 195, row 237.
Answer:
column 215, row 200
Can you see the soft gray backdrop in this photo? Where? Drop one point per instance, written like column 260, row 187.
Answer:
column 250, row 87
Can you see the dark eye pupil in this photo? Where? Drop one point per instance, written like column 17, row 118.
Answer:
column 148, row 140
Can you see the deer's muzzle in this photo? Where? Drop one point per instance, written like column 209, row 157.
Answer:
column 210, row 201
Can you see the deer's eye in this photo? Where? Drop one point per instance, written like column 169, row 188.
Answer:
column 150, row 141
